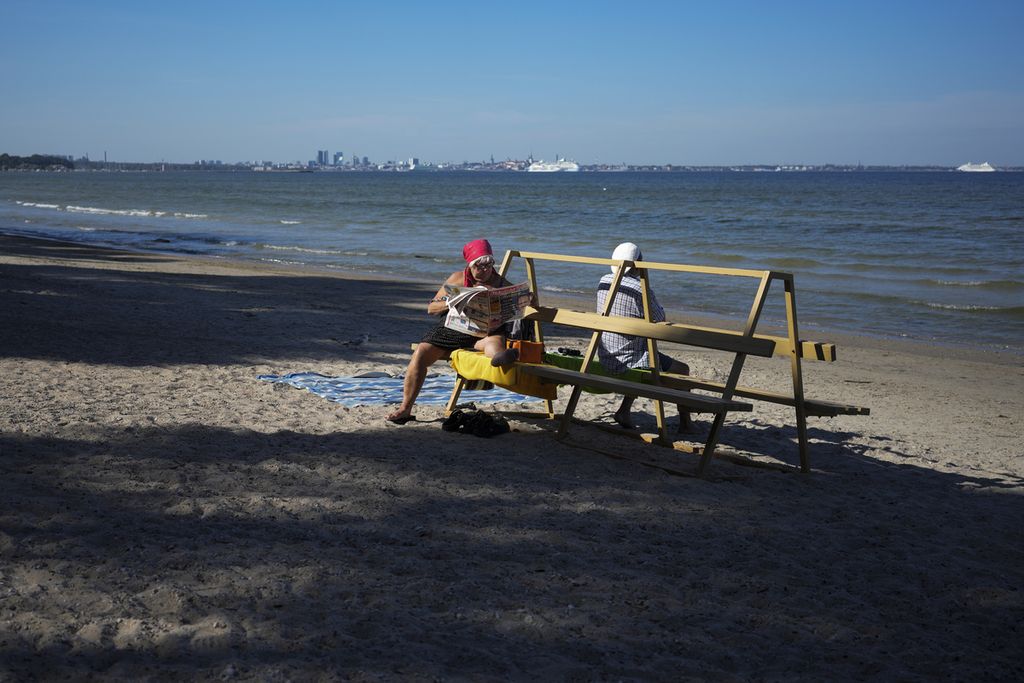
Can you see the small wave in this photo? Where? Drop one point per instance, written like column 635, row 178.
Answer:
column 87, row 209
column 956, row 307
column 101, row 211
column 71, row 208
column 707, row 256
column 1010, row 311
column 566, row 290
column 885, row 299
column 284, row 222
column 725, row 258
column 280, row 261
column 39, row 205
column 1010, row 285
column 307, row 250
column 883, row 264
column 793, row 262
column 956, row 283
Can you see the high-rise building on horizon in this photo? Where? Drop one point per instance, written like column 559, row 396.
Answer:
column 321, row 157
column 339, row 158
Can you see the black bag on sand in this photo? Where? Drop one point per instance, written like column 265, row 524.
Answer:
column 453, row 422
column 475, row 422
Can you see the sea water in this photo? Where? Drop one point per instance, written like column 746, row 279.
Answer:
column 935, row 257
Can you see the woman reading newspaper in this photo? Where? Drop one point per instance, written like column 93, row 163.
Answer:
column 440, row 341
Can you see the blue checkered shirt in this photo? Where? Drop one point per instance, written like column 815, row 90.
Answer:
column 620, row 352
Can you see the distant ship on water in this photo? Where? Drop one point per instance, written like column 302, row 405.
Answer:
column 553, row 166
column 976, row 168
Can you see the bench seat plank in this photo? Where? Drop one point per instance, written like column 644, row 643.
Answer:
column 814, row 407
column 695, row 402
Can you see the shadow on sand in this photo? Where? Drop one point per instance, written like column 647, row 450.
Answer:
column 409, row 553
column 171, row 317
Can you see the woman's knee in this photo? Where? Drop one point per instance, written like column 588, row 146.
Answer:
column 491, row 345
column 426, row 354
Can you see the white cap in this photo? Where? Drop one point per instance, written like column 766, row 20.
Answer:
column 627, row 251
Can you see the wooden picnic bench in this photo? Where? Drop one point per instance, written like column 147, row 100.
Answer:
column 679, row 389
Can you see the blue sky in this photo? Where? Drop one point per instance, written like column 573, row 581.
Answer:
column 601, row 82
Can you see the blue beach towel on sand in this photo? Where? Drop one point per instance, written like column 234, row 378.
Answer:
column 378, row 388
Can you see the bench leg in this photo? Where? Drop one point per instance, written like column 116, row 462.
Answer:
column 709, row 445
column 798, row 379
column 801, row 414
column 801, row 433
column 570, row 408
column 659, row 416
column 460, row 384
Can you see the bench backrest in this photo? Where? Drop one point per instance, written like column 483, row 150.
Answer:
column 664, row 331
column 718, row 338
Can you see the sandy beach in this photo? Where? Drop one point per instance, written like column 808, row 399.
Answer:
column 167, row 516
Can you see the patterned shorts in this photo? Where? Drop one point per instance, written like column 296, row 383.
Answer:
column 445, row 338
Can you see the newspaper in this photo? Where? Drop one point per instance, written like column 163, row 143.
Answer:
column 479, row 311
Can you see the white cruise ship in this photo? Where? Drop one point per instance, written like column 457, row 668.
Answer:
column 553, row 167
column 976, row 168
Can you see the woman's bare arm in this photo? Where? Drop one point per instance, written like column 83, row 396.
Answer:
column 439, row 304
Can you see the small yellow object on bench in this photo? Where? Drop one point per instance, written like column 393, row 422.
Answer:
column 475, row 365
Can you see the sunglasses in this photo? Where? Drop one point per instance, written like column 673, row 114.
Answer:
column 485, row 262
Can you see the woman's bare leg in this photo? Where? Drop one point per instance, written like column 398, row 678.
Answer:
column 423, row 357
column 493, row 347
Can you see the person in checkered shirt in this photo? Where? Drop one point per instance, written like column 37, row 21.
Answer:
column 619, row 352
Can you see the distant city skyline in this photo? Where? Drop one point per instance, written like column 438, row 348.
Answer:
column 737, row 83
column 327, row 159
column 336, row 162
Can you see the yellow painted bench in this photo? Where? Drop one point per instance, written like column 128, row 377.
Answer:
column 678, row 389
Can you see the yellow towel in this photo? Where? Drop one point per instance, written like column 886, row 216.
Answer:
column 474, row 365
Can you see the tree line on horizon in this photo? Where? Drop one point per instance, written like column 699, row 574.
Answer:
column 50, row 162
column 36, row 162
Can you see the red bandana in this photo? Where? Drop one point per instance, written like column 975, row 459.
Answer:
column 471, row 252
